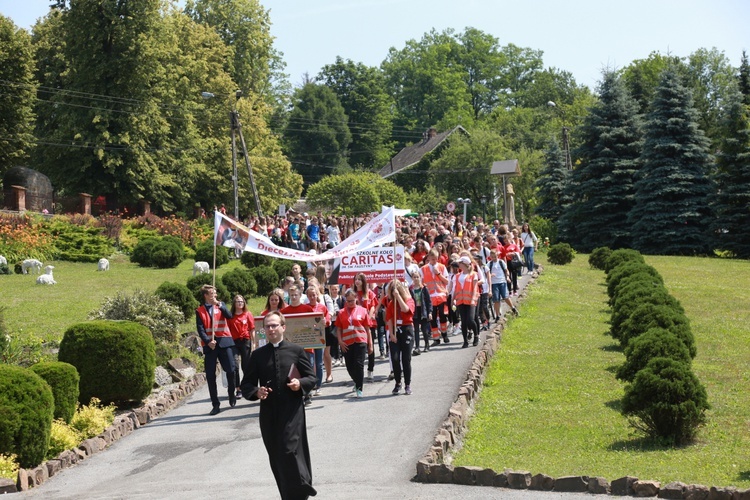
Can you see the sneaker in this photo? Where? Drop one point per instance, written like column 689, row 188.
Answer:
column 415, row 352
column 396, row 389
column 369, row 376
column 515, row 312
column 308, row 400
column 316, row 392
column 407, row 391
column 426, row 349
column 382, row 356
column 359, row 393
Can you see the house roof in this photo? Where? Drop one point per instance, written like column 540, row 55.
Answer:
column 411, row 155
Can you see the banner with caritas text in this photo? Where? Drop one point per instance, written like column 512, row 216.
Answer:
column 377, row 264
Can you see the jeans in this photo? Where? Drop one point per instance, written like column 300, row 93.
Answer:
column 528, row 256
column 316, row 359
column 241, row 351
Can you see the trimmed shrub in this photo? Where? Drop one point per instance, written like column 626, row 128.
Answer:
column 205, row 252
column 624, row 271
column 141, row 254
column 560, row 254
column 115, row 360
column 4, row 269
column 62, row 437
column 167, row 254
column 63, row 379
column 623, row 254
column 179, row 296
column 251, row 260
column 634, row 295
column 159, row 316
column 283, row 267
column 8, row 466
column 599, row 256
column 666, row 400
column 26, row 409
column 91, row 420
column 655, row 343
column 647, row 316
column 240, row 281
column 195, row 283
column 266, row 278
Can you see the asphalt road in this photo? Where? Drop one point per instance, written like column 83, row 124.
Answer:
column 363, row 448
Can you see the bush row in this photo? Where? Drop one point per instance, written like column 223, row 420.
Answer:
column 663, row 397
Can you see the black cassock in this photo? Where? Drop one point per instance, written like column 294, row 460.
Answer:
column 282, row 414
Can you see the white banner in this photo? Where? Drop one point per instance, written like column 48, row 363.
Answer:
column 377, row 264
column 379, row 231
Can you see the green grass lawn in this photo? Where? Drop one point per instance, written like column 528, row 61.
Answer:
column 551, row 402
column 46, row 312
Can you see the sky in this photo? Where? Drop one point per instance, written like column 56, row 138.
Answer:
column 580, row 36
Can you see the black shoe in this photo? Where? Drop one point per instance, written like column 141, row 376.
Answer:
column 396, row 389
column 476, row 341
column 446, row 341
column 415, row 352
column 215, row 410
column 466, row 344
column 232, row 401
column 435, row 342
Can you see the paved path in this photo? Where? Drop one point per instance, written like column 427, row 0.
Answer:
column 360, row 448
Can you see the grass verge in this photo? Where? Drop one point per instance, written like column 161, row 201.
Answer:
column 550, row 403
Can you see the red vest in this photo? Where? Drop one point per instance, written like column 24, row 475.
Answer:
column 354, row 325
column 438, row 290
column 220, row 326
column 468, row 293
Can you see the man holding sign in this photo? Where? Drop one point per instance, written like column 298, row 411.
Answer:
column 279, row 374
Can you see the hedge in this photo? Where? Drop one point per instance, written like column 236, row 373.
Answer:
column 240, row 281
column 179, row 296
column 654, row 343
column 598, row 258
column 622, row 255
column 26, row 410
column 115, row 360
column 63, row 378
column 647, row 316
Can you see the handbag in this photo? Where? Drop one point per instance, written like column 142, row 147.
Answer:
column 516, row 263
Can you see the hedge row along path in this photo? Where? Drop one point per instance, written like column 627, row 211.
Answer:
column 360, row 449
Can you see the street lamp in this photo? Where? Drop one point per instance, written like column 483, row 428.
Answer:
column 483, row 199
column 465, row 202
column 565, row 141
column 236, row 127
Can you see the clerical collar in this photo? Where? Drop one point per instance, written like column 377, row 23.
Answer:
column 277, row 344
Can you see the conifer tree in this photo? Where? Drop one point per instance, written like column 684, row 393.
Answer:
column 744, row 78
column 672, row 187
column 552, row 184
column 731, row 202
column 604, row 181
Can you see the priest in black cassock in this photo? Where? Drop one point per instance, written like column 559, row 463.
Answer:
column 280, row 374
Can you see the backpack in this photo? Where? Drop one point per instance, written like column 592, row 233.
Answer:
column 516, row 263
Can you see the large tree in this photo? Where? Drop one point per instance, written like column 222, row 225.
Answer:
column 317, row 136
column 744, row 78
column 672, row 190
column 17, row 95
column 603, row 183
column 731, row 201
column 361, row 91
column 552, row 184
column 354, row 193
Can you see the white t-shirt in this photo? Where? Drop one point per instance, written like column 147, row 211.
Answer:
column 497, row 271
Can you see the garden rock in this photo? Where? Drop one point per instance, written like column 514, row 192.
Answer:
column 181, row 369
column 501, row 480
column 7, row 486
column 741, row 495
column 465, row 475
column 519, row 480
column 646, row 488
column 22, row 481
column 485, row 477
column 721, row 493
column 696, row 492
column 572, row 483
column 623, row 486
column 442, row 473
column 542, row 482
column 161, row 377
column 674, row 490
column 599, row 486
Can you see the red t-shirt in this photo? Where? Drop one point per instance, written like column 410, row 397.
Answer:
column 406, row 317
column 371, row 302
column 241, row 325
column 302, row 308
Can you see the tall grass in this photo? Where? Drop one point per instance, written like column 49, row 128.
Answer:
column 551, row 402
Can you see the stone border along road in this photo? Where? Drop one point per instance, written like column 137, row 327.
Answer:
column 364, row 448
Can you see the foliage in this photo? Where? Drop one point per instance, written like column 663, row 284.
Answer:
column 654, row 343
column 602, row 185
column 8, row 466
column 625, row 270
column 543, row 228
column 362, row 94
column 164, row 252
column 266, row 279
column 638, row 290
column 115, row 359
column 195, row 283
column 4, row 269
column 156, row 314
column 77, row 242
column 354, row 193
column 241, row 281
column 598, row 257
column 21, row 238
column 27, row 407
column 18, row 95
column 317, row 129
column 91, row 420
column 427, row 200
column 666, row 400
column 731, row 200
column 179, row 296
column 252, row 259
column 553, row 184
column 63, row 379
column 560, row 254
column 205, row 252
column 672, row 189
column 283, row 267
column 667, row 316
column 622, row 255
column 62, row 437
